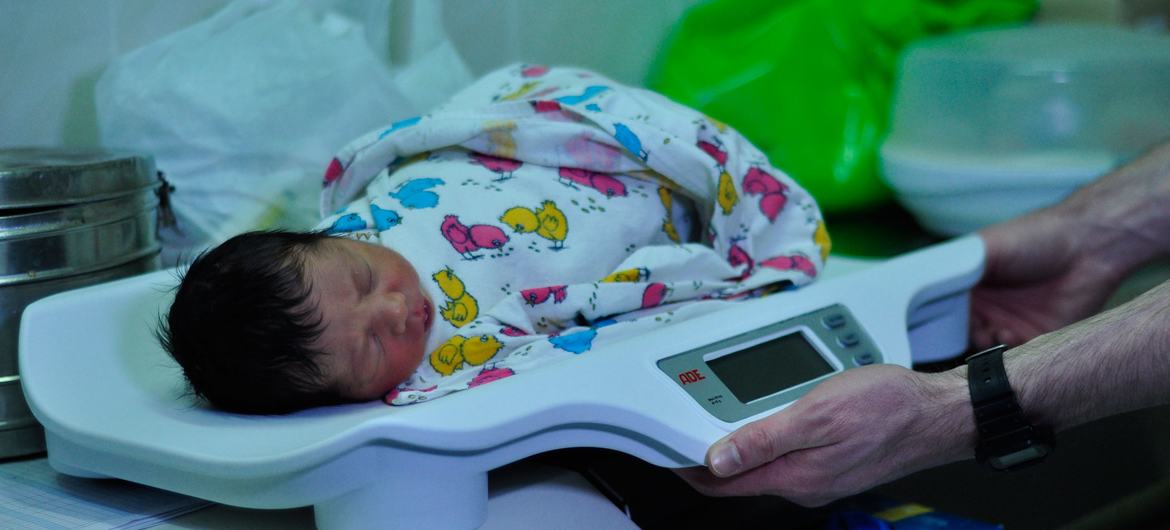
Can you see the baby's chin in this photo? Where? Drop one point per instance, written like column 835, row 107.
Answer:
column 404, row 382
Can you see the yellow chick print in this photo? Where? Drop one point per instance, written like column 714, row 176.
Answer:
column 477, row 350
column 553, row 225
column 460, row 307
column 418, row 157
column 448, row 357
column 459, row 350
column 520, row 92
column 521, row 219
column 720, row 126
column 548, row 222
column 727, row 195
column 628, row 275
column 821, row 238
column 668, row 222
column 500, row 134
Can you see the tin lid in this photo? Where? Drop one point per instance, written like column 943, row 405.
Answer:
column 37, row 177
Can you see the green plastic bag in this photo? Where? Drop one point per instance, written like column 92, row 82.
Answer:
column 810, row 81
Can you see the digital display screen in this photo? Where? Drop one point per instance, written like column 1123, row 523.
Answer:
column 770, row 367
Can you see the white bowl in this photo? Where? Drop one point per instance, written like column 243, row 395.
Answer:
column 956, row 193
column 991, row 124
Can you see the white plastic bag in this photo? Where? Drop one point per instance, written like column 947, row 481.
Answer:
column 243, row 111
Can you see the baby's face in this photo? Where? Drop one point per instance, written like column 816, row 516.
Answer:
column 376, row 316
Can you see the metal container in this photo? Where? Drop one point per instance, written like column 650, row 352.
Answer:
column 67, row 219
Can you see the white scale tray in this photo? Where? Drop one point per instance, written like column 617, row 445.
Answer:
column 108, row 397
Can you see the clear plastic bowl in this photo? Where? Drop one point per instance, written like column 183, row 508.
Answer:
column 992, row 124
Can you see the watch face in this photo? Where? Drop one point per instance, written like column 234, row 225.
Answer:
column 1028, row 455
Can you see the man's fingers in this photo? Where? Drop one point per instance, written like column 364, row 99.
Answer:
column 752, row 445
column 724, row 458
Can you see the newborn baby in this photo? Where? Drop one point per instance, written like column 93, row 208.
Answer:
column 271, row 322
column 535, row 215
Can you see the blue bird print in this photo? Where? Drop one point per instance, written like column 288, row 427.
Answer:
column 384, row 219
column 581, row 341
column 578, row 342
column 592, row 107
column 401, row 124
column 415, row 193
column 588, row 94
column 350, row 222
column 629, row 140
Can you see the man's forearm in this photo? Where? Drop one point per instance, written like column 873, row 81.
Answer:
column 1110, row 363
column 1124, row 217
column 1113, row 362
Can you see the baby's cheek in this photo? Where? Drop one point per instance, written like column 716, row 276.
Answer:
column 405, row 363
column 412, row 359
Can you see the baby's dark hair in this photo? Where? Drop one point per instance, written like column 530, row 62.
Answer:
column 242, row 325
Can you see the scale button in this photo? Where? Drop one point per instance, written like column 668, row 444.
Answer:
column 848, row 340
column 833, row 321
column 863, row 359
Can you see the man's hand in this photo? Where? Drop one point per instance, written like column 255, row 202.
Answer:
column 858, row 429
column 1059, row 265
column 1037, row 279
column 1044, row 272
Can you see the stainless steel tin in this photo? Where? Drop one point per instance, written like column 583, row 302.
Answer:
column 77, row 239
column 33, row 176
column 67, row 219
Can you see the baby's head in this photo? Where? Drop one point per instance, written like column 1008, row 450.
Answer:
column 273, row 322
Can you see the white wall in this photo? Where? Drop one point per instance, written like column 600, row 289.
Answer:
column 618, row 38
column 52, row 51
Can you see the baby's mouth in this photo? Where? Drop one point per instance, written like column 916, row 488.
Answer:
column 426, row 315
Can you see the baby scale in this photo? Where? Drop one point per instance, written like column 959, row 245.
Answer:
column 109, row 397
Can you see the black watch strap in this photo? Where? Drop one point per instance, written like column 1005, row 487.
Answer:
column 1007, row 440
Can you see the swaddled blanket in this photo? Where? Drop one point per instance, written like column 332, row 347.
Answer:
column 551, row 210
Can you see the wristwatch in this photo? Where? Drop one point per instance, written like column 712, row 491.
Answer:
column 1007, row 441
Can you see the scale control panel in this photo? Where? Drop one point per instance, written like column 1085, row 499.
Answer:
column 760, row 370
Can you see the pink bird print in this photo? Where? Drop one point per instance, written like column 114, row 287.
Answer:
column 512, row 331
column 466, row 240
column 333, row 172
column 545, row 105
column 501, row 166
column 715, row 150
column 798, row 262
column 654, row 295
column 540, row 295
column 488, row 375
column 602, row 182
column 759, row 182
column 737, row 256
column 533, row 70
